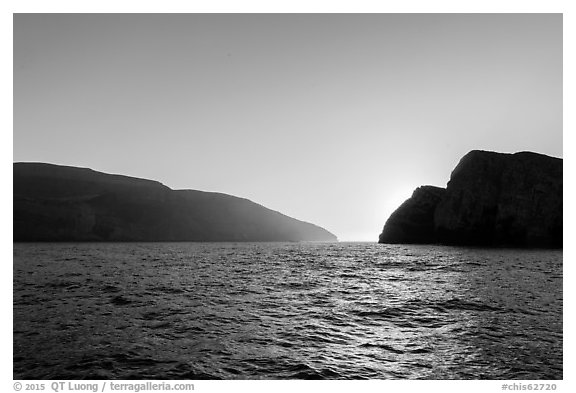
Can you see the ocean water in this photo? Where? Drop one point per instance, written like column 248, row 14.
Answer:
column 285, row 311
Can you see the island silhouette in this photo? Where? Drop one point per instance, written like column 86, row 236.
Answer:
column 64, row 203
column 492, row 199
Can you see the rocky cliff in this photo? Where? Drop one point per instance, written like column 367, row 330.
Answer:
column 492, row 199
column 414, row 219
column 59, row 203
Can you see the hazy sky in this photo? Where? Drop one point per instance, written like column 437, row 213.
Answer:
column 331, row 119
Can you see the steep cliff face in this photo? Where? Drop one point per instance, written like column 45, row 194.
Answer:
column 492, row 199
column 58, row 203
column 503, row 199
column 413, row 221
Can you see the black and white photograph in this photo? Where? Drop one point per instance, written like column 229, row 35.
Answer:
column 288, row 196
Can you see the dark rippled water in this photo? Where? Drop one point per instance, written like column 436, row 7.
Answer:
column 268, row 311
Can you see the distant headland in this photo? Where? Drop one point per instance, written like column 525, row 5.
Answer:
column 63, row 203
column 492, row 199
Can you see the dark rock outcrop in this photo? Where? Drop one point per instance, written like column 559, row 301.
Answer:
column 414, row 219
column 59, row 203
column 492, row 199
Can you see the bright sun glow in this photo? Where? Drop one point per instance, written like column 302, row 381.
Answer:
column 393, row 200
